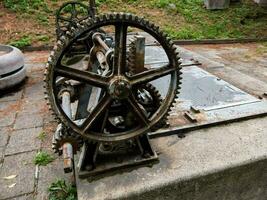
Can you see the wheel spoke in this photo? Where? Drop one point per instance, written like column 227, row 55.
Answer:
column 73, row 11
column 151, row 75
column 120, row 49
column 82, row 76
column 137, row 110
column 100, row 108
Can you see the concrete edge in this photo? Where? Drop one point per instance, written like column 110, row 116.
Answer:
column 177, row 42
column 192, row 181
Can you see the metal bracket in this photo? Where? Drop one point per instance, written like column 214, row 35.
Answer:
column 100, row 158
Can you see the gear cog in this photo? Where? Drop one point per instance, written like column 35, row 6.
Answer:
column 62, row 136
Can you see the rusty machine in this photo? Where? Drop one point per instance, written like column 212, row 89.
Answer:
column 100, row 84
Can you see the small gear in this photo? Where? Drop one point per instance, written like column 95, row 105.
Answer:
column 156, row 96
column 62, row 136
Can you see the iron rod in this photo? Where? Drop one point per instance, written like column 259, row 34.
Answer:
column 66, row 104
column 68, row 157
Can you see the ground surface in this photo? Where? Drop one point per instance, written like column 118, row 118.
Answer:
column 24, row 115
column 31, row 22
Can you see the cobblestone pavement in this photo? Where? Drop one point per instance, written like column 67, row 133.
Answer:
column 23, row 116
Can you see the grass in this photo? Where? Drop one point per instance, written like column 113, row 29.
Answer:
column 181, row 19
column 22, row 42
column 43, row 158
column 60, row 190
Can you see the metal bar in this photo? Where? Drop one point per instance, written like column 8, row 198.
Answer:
column 101, row 42
column 92, row 8
column 68, row 157
column 66, row 104
column 185, row 129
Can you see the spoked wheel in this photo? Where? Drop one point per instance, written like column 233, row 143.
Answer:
column 112, row 85
column 69, row 15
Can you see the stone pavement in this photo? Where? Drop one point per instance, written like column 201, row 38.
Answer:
column 23, row 116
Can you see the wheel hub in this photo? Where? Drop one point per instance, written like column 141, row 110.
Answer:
column 119, row 88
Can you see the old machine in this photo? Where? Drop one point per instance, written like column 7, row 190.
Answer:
column 101, row 84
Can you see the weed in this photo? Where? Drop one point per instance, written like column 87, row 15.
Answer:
column 43, row 158
column 22, row 42
column 60, row 190
column 42, row 19
column 41, row 136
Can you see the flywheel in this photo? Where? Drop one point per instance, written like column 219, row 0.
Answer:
column 113, row 98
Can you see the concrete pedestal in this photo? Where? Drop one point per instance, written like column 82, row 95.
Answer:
column 261, row 2
column 216, row 4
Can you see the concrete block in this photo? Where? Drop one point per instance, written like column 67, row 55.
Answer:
column 223, row 162
column 23, row 141
column 22, row 166
column 216, row 4
column 261, row 2
column 25, row 121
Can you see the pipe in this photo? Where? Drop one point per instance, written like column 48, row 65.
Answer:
column 68, row 157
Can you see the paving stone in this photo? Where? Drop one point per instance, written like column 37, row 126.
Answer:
column 34, row 106
column 49, row 129
column 3, row 136
column 23, row 141
column 35, row 90
column 8, row 112
column 22, row 166
column 24, row 120
column 24, row 197
column 35, row 68
column 14, row 96
column 1, row 155
column 49, row 174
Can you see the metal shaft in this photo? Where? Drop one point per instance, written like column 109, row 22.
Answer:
column 101, row 42
column 68, row 157
column 67, row 147
column 66, row 104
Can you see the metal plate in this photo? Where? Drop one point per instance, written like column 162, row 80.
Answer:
column 205, row 91
column 204, row 100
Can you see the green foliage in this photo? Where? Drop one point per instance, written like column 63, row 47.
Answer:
column 22, row 42
column 26, row 5
column 230, row 23
column 59, row 190
column 43, row 158
column 184, row 33
column 42, row 19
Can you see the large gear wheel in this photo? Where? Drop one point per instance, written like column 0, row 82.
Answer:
column 119, row 85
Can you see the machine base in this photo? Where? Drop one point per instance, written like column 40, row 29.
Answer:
column 98, row 159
